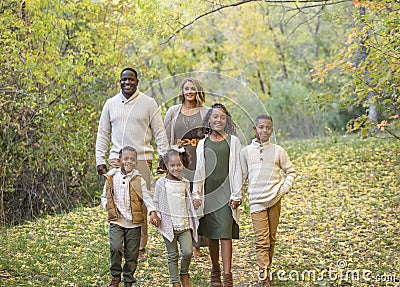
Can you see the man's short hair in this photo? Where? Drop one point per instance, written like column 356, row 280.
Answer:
column 130, row 69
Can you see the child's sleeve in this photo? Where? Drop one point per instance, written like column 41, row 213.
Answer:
column 198, row 180
column 288, row 169
column 148, row 201
column 237, row 173
column 156, row 194
column 243, row 164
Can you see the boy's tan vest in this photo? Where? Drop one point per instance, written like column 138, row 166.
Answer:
column 136, row 200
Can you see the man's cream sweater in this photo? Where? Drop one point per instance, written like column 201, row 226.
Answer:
column 130, row 122
column 262, row 165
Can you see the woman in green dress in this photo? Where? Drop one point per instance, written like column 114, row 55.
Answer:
column 216, row 191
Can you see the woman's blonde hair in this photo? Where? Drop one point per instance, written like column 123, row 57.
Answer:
column 200, row 95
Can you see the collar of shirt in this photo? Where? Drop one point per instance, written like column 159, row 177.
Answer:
column 125, row 100
column 257, row 145
column 129, row 176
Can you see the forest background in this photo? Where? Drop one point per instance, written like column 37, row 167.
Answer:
column 320, row 68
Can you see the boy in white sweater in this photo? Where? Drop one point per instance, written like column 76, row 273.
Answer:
column 262, row 163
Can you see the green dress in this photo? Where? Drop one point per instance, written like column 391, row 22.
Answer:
column 217, row 222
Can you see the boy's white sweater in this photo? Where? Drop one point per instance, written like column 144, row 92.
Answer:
column 262, row 165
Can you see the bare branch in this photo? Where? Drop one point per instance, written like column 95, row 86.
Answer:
column 320, row 4
column 392, row 134
column 313, row 3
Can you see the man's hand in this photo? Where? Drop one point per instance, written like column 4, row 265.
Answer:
column 154, row 219
column 101, row 169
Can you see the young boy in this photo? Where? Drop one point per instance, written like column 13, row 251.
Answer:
column 262, row 163
column 123, row 197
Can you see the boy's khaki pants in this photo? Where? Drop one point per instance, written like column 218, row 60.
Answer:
column 144, row 168
column 265, row 225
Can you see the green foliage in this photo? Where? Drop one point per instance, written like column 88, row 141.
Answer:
column 51, row 66
column 60, row 61
column 289, row 109
column 266, row 48
column 344, row 206
column 368, row 69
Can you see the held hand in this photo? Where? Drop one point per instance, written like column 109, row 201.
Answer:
column 154, row 219
column 196, row 203
column 235, row 203
column 101, row 169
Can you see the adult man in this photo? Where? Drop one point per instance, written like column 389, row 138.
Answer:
column 130, row 118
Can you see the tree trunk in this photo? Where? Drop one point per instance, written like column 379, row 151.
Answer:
column 281, row 53
column 372, row 112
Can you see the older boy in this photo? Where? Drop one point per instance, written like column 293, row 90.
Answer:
column 123, row 197
column 262, row 163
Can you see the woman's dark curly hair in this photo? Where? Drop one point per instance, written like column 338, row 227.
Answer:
column 184, row 156
column 230, row 127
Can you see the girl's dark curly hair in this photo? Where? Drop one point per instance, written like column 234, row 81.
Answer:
column 230, row 127
column 184, row 156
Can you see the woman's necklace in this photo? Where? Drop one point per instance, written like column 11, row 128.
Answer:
column 189, row 116
column 189, row 121
column 189, row 109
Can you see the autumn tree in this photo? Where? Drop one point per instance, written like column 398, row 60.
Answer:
column 60, row 61
column 270, row 47
column 368, row 68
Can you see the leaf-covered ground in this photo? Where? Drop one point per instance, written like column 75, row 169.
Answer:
column 339, row 227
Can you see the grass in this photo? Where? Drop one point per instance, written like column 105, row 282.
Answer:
column 341, row 218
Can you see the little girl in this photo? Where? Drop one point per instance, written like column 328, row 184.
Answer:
column 216, row 190
column 172, row 199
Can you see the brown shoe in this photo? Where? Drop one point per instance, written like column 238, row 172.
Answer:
column 185, row 280
column 115, row 281
column 142, row 257
column 228, row 281
column 216, row 276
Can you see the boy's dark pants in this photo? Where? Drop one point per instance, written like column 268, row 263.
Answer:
column 124, row 242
